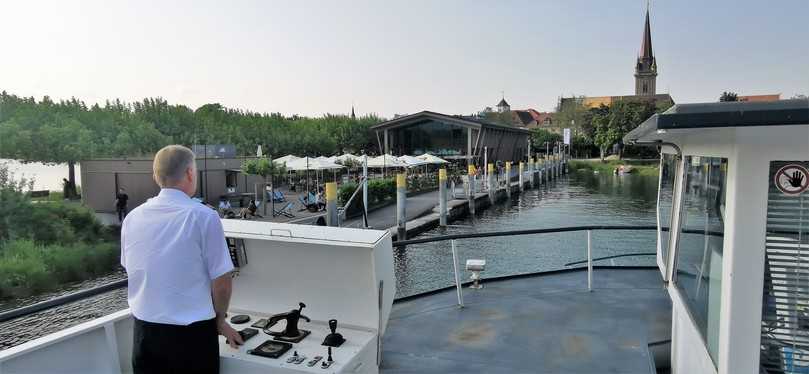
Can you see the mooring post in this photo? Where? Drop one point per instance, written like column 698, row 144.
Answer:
column 442, row 197
column 401, row 201
column 471, row 178
column 331, row 204
column 521, row 180
column 508, row 179
column 491, row 183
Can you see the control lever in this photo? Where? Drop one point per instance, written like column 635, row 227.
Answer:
column 292, row 317
column 328, row 361
column 334, row 339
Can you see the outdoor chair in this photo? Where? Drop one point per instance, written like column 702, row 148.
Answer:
column 285, row 211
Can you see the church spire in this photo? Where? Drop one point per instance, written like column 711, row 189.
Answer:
column 353, row 116
column 646, row 67
column 646, row 42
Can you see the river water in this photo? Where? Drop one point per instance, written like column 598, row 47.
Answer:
column 46, row 177
column 581, row 198
column 578, row 199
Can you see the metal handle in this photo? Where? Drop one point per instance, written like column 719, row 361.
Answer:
column 289, row 232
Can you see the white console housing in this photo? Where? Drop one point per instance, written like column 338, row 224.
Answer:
column 339, row 273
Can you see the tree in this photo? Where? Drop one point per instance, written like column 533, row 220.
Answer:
column 613, row 122
column 728, row 96
column 571, row 112
column 70, row 131
column 268, row 170
column 541, row 136
column 503, row 118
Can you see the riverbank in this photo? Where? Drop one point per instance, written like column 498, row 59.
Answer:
column 639, row 167
column 45, row 244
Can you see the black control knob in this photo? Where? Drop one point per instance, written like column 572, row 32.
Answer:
column 333, row 325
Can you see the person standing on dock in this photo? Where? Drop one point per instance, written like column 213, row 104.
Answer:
column 179, row 269
column 121, row 200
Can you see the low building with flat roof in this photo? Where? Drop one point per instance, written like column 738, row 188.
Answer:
column 450, row 137
column 101, row 179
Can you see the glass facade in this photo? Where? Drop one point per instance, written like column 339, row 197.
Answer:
column 699, row 249
column 665, row 200
column 437, row 138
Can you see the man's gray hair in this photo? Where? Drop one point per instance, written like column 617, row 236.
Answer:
column 170, row 164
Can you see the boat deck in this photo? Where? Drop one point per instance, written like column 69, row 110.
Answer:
column 538, row 324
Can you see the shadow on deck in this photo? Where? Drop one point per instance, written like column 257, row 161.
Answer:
column 538, row 324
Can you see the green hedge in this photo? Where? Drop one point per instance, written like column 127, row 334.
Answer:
column 28, row 268
column 45, row 244
column 380, row 191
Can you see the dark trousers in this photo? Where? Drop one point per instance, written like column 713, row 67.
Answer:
column 160, row 348
column 121, row 213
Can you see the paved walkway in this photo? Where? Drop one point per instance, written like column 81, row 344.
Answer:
column 385, row 217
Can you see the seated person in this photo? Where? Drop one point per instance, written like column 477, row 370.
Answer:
column 225, row 209
column 250, row 211
column 321, row 200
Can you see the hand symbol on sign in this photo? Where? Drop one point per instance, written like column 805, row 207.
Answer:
column 796, row 180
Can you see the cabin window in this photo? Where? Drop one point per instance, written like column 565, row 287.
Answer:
column 665, row 200
column 785, row 313
column 699, row 246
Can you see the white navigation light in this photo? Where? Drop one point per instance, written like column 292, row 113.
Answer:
column 475, row 266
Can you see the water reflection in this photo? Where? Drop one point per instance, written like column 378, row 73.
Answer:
column 582, row 198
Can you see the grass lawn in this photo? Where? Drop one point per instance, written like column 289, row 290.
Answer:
column 639, row 167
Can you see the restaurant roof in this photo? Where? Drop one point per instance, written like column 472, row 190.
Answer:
column 426, row 115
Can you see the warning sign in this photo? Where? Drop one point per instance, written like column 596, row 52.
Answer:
column 792, row 179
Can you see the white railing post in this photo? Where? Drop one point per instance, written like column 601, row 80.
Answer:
column 589, row 261
column 455, row 265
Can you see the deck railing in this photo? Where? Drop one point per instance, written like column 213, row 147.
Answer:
column 589, row 229
column 66, row 299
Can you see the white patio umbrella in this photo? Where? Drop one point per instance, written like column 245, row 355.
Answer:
column 347, row 156
column 411, row 161
column 286, row 159
column 258, row 151
column 385, row 161
column 432, row 159
column 301, row 163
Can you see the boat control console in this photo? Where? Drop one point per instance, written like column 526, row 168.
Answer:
column 319, row 275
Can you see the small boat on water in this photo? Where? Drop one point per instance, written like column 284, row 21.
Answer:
column 728, row 294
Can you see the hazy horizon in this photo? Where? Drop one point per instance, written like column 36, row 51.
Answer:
column 396, row 57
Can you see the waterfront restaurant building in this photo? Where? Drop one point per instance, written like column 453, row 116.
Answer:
column 101, row 179
column 455, row 138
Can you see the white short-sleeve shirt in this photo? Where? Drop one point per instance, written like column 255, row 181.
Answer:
column 172, row 248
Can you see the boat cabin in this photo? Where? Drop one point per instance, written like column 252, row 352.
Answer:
column 296, row 287
column 733, row 233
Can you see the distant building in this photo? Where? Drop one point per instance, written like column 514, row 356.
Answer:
column 460, row 138
column 101, row 178
column 532, row 119
column 503, row 106
column 771, row 97
column 664, row 100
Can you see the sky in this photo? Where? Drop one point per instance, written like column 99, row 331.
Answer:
column 396, row 57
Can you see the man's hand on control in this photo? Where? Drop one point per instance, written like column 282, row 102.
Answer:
column 232, row 336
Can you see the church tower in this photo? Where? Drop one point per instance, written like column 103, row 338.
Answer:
column 646, row 67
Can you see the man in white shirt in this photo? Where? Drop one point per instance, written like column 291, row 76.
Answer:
column 179, row 269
